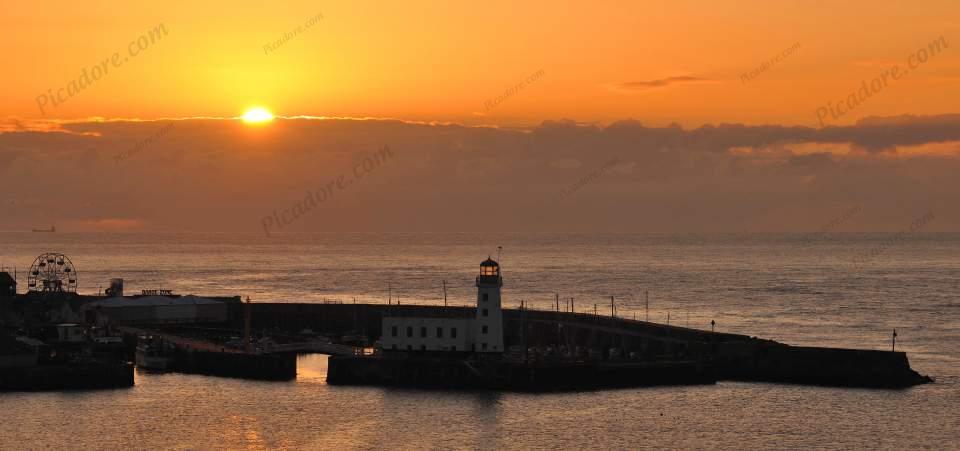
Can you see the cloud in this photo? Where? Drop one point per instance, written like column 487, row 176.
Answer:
column 660, row 83
column 7, row 158
column 15, row 124
column 211, row 174
column 809, row 163
column 566, row 163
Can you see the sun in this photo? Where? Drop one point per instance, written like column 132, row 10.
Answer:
column 257, row 115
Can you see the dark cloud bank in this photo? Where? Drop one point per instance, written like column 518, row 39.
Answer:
column 224, row 175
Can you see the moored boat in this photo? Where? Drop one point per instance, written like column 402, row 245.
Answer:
column 151, row 354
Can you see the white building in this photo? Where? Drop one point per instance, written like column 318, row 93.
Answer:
column 120, row 310
column 484, row 333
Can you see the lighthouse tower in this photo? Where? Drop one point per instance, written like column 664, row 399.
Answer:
column 488, row 335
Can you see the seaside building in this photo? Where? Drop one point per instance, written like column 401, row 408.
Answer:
column 121, row 310
column 483, row 333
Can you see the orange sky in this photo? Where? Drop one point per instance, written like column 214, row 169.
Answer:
column 791, row 113
column 441, row 61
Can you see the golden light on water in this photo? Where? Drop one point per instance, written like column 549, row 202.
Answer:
column 257, row 115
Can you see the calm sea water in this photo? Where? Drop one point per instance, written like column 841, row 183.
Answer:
column 799, row 289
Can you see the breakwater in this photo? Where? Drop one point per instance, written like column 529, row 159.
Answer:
column 461, row 372
column 777, row 362
column 277, row 367
column 78, row 376
column 734, row 357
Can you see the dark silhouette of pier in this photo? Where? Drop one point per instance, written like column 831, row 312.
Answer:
column 546, row 335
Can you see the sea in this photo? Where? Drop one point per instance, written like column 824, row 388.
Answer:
column 824, row 289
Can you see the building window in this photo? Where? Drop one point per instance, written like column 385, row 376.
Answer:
column 483, row 346
column 453, row 348
column 423, row 332
column 393, row 331
column 486, row 296
column 485, row 312
column 483, row 330
column 439, row 332
column 409, row 348
column 453, row 332
column 394, row 347
column 423, row 347
column 409, row 331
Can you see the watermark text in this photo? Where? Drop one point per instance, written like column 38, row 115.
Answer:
column 855, row 98
column 749, row 76
column 896, row 238
column 273, row 46
column 589, row 178
column 511, row 91
column 138, row 147
column 313, row 198
column 91, row 75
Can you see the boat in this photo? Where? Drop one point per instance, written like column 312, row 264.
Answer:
column 151, row 357
column 50, row 230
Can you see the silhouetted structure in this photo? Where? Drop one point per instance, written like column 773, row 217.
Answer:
column 8, row 285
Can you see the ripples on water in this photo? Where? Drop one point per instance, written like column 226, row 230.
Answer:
column 775, row 286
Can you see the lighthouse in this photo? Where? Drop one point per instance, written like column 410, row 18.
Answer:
column 481, row 332
column 488, row 335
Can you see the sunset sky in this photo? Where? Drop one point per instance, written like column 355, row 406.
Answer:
column 714, row 111
column 439, row 61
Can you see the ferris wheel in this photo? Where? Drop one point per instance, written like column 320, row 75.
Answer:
column 52, row 273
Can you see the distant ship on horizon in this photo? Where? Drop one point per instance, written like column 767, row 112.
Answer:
column 50, row 230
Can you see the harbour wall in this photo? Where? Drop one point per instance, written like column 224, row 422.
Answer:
column 445, row 371
column 735, row 357
column 815, row 365
column 67, row 377
column 279, row 367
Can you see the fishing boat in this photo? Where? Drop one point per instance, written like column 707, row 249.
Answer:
column 150, row 355
column 50, row 230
